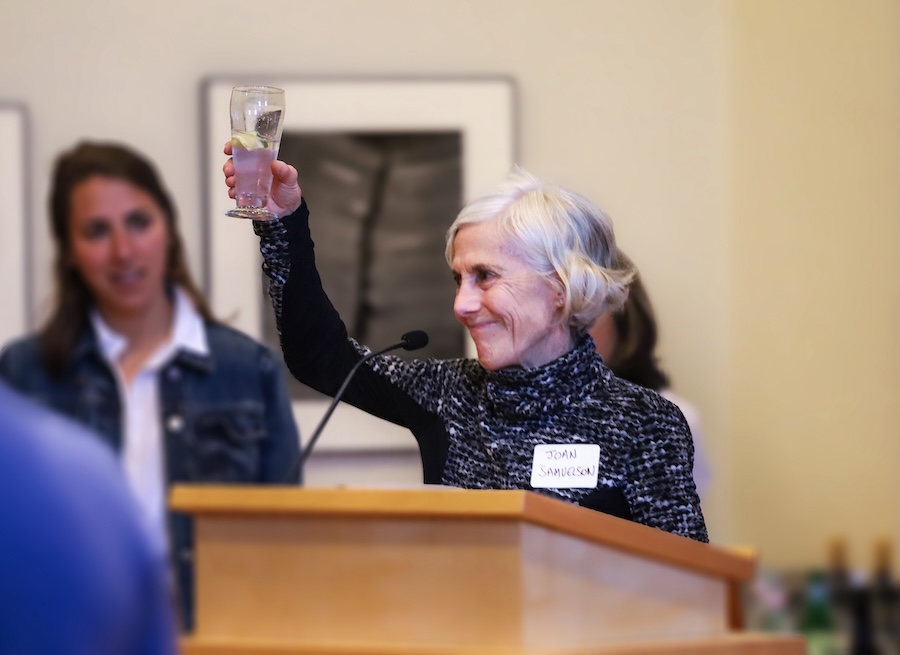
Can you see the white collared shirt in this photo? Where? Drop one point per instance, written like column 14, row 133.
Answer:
column 143, row 451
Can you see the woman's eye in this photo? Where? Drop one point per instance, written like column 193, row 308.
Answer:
column 95, row 231
column 138, row 220
column 483, row 276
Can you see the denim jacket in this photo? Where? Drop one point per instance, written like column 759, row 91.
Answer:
column 226, row 417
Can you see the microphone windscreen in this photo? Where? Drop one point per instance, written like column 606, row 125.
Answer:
column 414, row 340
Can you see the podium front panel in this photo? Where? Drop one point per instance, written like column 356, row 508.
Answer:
column 425, row 581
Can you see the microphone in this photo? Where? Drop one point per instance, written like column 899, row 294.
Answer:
column 410, row 341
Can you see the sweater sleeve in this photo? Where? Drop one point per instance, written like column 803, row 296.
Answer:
column 314, row 340
column 662, row 493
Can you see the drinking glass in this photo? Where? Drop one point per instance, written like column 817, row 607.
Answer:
column 257, row 120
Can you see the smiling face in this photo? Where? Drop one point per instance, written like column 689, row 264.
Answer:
column 119, row 242
column 513, row 314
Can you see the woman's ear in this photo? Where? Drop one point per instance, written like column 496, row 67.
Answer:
column 559, row 289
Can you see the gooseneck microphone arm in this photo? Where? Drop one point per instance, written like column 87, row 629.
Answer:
column 410, row 341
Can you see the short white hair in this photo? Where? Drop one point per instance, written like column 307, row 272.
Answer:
column 562, row 236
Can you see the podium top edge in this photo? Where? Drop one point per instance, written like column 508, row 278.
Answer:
column 743, row 643
column 447, row 503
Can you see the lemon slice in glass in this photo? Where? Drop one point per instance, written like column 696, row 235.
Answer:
column 248, row 140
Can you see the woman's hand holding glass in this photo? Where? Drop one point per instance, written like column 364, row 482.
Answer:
column 284, row 198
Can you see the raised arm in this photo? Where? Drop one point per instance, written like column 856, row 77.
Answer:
column 314, row 339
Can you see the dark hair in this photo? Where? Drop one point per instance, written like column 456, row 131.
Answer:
column 634, row 358
column 73, row 299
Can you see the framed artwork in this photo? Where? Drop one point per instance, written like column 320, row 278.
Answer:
column 385, row 165
column 15, row 292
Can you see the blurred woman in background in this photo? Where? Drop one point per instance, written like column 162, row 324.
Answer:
column 132, row 351
column 626, row 340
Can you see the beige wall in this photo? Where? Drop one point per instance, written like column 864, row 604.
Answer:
column 667, row 114
column 815, row 274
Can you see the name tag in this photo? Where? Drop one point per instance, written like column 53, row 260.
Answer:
column 565, row 466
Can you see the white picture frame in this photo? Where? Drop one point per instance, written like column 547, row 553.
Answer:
column 481, row 109
column 15, row 292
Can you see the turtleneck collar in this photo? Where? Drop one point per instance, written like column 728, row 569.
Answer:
column 516, row 392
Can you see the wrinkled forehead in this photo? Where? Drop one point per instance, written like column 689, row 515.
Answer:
column 484, row 243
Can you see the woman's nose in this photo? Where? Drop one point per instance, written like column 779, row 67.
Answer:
column 468, row 300
column 121, row 243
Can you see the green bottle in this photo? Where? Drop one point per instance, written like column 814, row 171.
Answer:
column 816, row 620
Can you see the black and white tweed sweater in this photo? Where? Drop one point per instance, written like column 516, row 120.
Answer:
column 476, row 428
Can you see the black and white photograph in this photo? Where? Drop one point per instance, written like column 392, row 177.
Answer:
column 381, row 203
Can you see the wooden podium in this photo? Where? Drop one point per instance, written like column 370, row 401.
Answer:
column 434, row 571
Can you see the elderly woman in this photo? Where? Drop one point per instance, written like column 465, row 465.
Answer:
column 537, row 410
